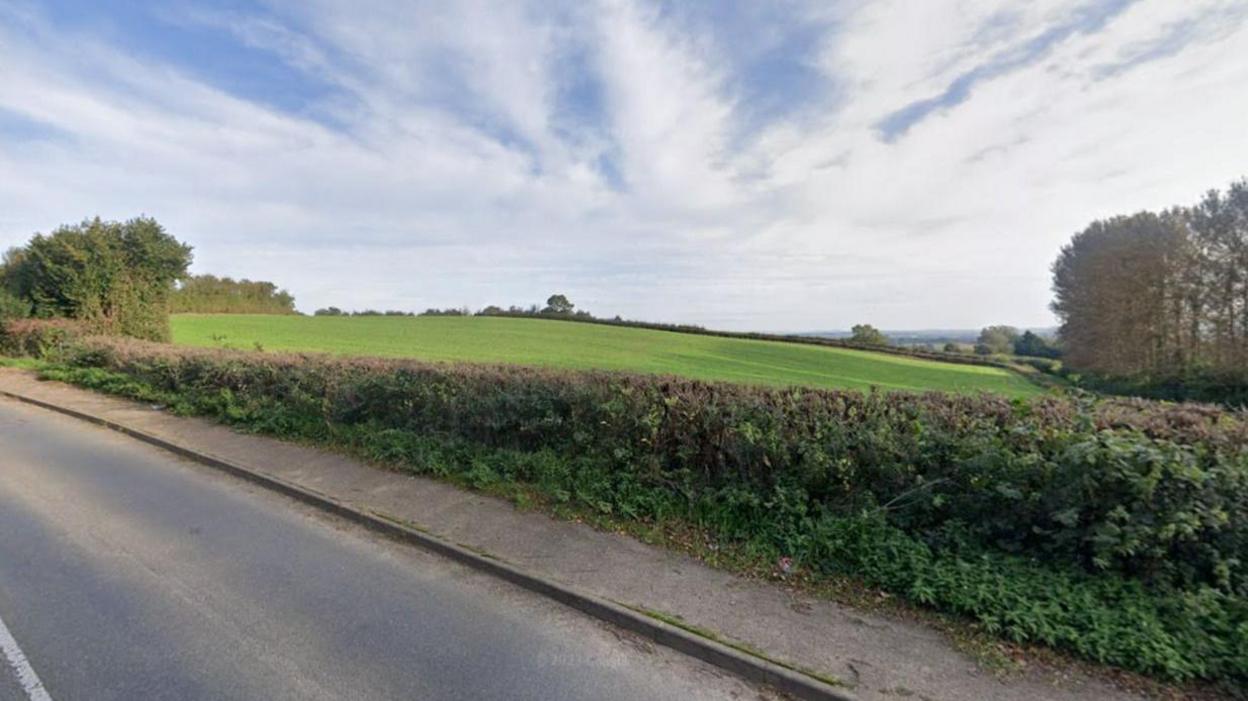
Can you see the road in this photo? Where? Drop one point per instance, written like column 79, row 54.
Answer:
column 128, row 573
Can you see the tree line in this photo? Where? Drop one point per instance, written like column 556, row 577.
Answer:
column 209, row 294
column 993, row 340
column 1159, row 300
column 557, row 306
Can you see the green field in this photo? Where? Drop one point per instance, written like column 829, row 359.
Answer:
column 577, row 345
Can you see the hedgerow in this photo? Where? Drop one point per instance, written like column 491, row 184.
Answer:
column 38, row 338
column 1114, row 529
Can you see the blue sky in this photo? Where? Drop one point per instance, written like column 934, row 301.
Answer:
column 771, row 165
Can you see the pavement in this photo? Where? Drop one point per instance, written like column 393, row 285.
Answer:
column 129, row 573
column 878, row 656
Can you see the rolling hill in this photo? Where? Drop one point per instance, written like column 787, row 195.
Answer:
column 578, row 345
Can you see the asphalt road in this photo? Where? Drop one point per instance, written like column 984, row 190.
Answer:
column 128, row 573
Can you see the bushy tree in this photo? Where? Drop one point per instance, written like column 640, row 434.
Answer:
column 12, row 306
column 1035, row 346
column 996, row 339
column 116, row 277
column 868, row 335
column 558, row 304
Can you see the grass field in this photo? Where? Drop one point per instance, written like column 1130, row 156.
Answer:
column 577, row 345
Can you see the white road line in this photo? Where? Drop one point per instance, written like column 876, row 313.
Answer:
column 21, row 666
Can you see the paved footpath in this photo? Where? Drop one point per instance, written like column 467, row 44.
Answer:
column 879, row 656
column 129, row 573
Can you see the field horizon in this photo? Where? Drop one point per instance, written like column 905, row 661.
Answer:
column 563, row 344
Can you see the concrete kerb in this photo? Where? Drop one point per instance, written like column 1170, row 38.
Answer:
column 745, row 665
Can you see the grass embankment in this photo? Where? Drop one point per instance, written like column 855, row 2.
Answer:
column 1113, row 530
column 560, row 344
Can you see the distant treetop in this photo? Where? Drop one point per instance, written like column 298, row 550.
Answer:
column 868, row 335
column 208, row 294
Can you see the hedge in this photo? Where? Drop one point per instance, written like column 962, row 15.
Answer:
column 39, row 337
column 847, row 343
column 1115, row 529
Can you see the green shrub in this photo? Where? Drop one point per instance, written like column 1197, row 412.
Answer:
column 38, row 338
column 116, row 277
column 1114, row 529
column 1226, row 387
column 12, row 307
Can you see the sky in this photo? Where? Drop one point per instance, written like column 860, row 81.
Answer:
column 768, row 165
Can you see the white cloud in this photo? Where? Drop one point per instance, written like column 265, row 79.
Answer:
column 446, row 164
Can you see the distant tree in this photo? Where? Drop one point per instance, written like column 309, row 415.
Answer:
column 558, row 304
column 329, row 311
column 491, row 310
column 952, row 347
column 867, row 334
column 208, row 294
column 996, row 339
column 1035, row 346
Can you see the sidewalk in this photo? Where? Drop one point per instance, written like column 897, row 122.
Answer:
column 878, row 657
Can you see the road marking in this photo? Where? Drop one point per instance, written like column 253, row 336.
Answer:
column 21, row 666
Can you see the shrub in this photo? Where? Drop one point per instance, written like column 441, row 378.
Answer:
column 1228, row 387
column 12, row 307
column 39, row 338
column 1114, row 528
column 114, row 276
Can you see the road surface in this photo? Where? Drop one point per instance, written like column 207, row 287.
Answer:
column 128, row 573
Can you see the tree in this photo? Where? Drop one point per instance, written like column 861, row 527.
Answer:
column 115, row 277
column 329, row 311
column 1219, row 236
column 12, row 306
column 558, row 304
column 952, row 347
column 868, row 335
column 1119, row 289
column 1035, row 345
column 1160, row 298
column 996, row 339
column 208, row 294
